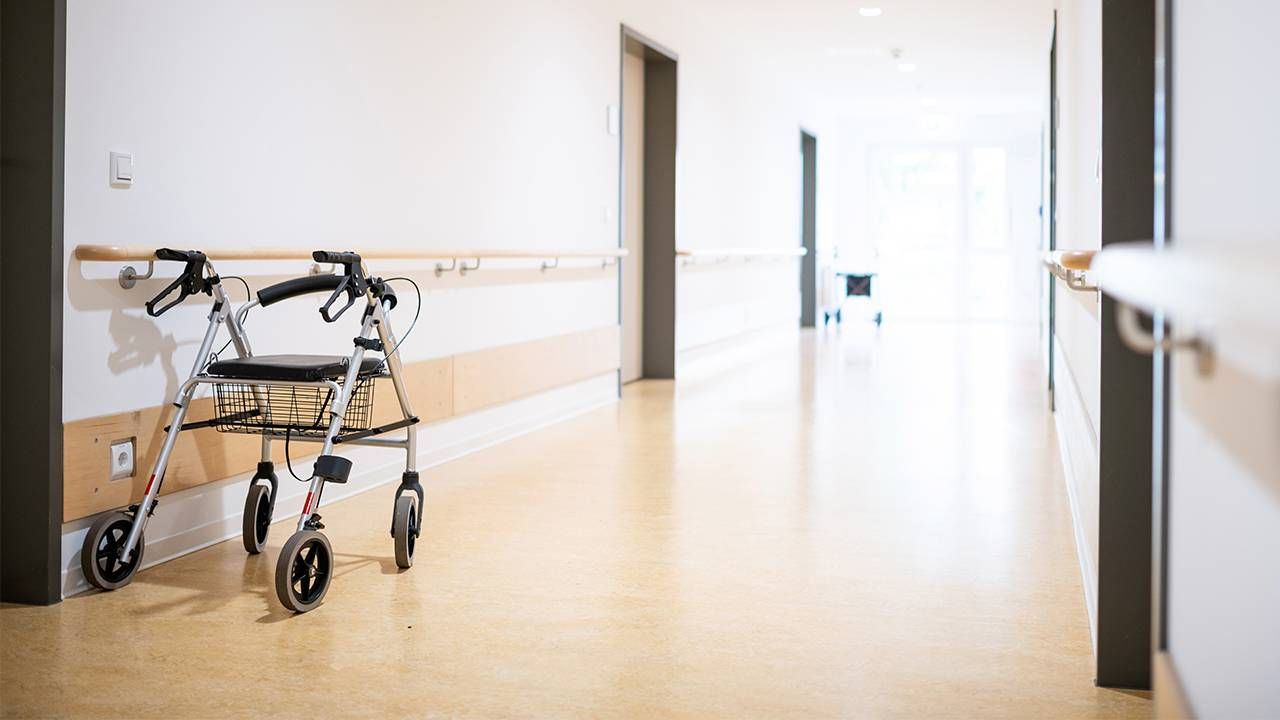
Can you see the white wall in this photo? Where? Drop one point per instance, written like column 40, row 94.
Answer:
column 726, row 300
column 1224, row 486
column 338, row 126
column 1078, row 331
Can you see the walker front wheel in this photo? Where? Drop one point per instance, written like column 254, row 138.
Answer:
column 257, row 518
column 100, row 554
column 304, row 570
column 404, row 529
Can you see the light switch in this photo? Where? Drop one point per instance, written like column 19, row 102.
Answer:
column 121, row 169
column 613, row 121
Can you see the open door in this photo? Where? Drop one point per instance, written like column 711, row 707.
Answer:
column 647, row 178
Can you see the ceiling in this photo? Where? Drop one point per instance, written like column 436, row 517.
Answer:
column 971, row 57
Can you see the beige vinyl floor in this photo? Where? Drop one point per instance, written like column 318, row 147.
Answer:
column 842, row 524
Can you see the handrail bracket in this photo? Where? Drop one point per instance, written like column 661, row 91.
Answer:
column 1139, row 340
column 129, row 276
column 441, row 268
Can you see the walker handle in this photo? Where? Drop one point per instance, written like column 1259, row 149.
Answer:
column 298, row 286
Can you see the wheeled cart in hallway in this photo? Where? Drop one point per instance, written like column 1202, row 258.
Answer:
column 308, row 398
column 836, row 287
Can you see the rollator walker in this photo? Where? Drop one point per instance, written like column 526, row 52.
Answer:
column 310, row 398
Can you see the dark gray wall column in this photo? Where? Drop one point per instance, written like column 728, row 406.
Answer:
column 809, row 230
column 1125, row 433
column 32, row 75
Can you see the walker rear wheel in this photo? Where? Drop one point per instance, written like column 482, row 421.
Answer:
column 257, row 518
column 404, row 529
column 304, row 570
column 100, row 554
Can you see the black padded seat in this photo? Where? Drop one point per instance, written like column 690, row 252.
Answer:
column 306, row 368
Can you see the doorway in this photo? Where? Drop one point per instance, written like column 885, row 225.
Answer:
column 808, row 229
column 647, row 222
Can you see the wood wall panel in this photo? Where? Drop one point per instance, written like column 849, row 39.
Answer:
column 436, row 388
column 430, row 386
column 200, row 456
column 497, row 375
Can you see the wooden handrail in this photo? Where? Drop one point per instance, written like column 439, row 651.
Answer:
column 1072, row 267
column 1076, row 259
column 127, row 253
column 741, row 252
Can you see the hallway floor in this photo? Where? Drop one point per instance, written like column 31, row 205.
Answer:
column 850, row 524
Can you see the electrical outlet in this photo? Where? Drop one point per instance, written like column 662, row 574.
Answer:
column 121, row 460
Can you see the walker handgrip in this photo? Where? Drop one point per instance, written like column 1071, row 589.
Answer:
column 350, row 259
column 346, row 287
column 186, row 256
column 299, row 286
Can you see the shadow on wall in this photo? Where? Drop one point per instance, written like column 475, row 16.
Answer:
column 139, row 342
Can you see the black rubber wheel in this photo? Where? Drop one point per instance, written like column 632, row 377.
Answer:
column 404, row 529
column 100, row 554
column 304, row 570
column 257, row 518
column 839, row 316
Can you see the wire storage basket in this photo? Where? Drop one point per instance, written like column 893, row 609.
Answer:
column 300, row 410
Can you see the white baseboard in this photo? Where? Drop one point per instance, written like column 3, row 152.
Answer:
column 1079, row 454
column 193, row 519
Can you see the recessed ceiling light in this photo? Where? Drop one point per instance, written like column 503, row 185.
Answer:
column 869, row 11
column 906, row 67
column 929, row 101
column 854, row 52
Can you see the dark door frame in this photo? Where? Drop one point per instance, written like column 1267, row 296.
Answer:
column 1125, row 427
column 660, row 126
column 1052, row 209
column 809, row 229
column 1161, row 362
column 32, row 104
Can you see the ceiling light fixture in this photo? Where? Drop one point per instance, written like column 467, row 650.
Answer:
column 869, row 11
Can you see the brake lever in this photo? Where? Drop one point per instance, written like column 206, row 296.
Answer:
column 180, row 284
column 190, row 282
column 346, row 287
